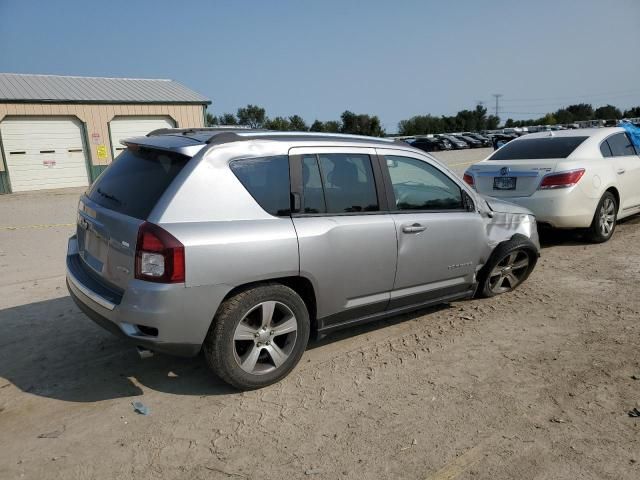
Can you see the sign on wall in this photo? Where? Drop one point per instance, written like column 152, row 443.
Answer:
column 101, row 150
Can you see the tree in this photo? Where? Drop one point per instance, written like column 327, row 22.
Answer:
column 492, row 122
column 509, row 123
column 252, row 116
column 227, row 119
column 332, row 126
column 278, row 123
column 563, row 115
column 361, row 124
column 420, row 125
column 210, row 120
column 297, row 124
column 607, row 112
column 548, row 119
column 317, row 126
column 632, row 112
column 580, row 111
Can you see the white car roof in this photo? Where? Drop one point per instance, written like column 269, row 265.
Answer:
column 597, row 133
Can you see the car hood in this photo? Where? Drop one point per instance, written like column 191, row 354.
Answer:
column 504, row 207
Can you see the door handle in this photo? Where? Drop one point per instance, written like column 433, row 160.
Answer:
column 415, row 228
column 621, row 171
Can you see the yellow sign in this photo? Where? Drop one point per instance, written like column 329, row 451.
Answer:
column 101, row 150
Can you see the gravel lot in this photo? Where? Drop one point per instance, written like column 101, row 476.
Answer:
column 535, row 384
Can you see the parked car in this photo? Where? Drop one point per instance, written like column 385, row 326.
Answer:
column 485, row 141
column 500, row 139
column 431, row 144
column 472, row 142
column 455, row 142
column 587, row 178
column 245, row 243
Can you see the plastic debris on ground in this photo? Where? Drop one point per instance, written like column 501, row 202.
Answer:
column 140, row 408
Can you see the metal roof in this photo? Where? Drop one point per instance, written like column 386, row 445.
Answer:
column 15, row 87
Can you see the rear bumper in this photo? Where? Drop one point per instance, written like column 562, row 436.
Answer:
column 177, row 349
column 560, row 208
column 167, row 318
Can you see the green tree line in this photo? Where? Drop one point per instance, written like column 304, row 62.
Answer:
column 465, row 120
column 256, row 117
column 576, row 113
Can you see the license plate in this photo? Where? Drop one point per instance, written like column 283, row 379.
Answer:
column 95, row 251
column 504, row 183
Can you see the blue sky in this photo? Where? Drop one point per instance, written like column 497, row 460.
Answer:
column 394, row 59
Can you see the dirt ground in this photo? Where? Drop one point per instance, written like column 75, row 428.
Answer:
column 535, row 384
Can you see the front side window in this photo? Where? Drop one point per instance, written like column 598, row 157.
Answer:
column 267, row 180
column 418, row 185
column 620, row 145
column 338, row 183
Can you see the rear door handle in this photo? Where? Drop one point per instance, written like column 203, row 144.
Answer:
column 621, row 171
column 415, row 228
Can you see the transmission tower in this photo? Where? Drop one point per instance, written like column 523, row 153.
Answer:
column 497, row 97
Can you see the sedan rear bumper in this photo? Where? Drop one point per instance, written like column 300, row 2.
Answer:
column 560, row 208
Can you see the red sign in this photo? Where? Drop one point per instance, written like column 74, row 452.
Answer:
column 95, row 138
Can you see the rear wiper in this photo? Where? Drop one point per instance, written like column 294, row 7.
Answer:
column 109, row 197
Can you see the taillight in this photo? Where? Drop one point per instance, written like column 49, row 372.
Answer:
column 468, row 179
column 159, row 255
column 561, row 180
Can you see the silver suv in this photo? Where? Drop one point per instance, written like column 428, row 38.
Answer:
column 244, row 243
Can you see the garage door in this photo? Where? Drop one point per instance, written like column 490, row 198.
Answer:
column 44, row 152
column 127, row 127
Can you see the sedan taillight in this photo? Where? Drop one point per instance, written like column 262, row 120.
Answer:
column 561, row 180
column 468, row 179
column 159, row 255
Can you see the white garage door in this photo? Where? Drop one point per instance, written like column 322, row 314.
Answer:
column 127, row 127
column 44, row 152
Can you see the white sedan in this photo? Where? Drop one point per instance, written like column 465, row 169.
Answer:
column 585, row 178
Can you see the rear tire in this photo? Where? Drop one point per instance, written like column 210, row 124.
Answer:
column 258, row 336
column 605, row 219
column 510, row 264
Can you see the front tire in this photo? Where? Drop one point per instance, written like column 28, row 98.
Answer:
column 510, row 264
column 605, row 219
column 258, row 336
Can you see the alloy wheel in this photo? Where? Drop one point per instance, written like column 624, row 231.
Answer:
column 607, row 217
column 509, row 271
column 265, row 337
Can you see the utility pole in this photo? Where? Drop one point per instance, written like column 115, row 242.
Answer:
column 497, row 96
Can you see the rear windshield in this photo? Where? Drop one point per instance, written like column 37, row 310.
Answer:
column 136, row 180
column 537, row 148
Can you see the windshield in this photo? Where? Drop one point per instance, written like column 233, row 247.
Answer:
column 135, row 181
column 538, row 148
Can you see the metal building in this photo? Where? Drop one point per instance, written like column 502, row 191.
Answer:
column 60, row 131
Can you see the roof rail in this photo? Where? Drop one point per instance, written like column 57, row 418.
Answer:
column 187, row 131
column 231, row 133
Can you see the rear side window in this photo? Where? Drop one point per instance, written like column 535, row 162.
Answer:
column 605, row 149
column 135, row 181
column 538, row 148
column 267, row 180
column 338, row 183
column 620, row 145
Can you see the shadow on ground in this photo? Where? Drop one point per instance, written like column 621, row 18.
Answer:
column 53, row 350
